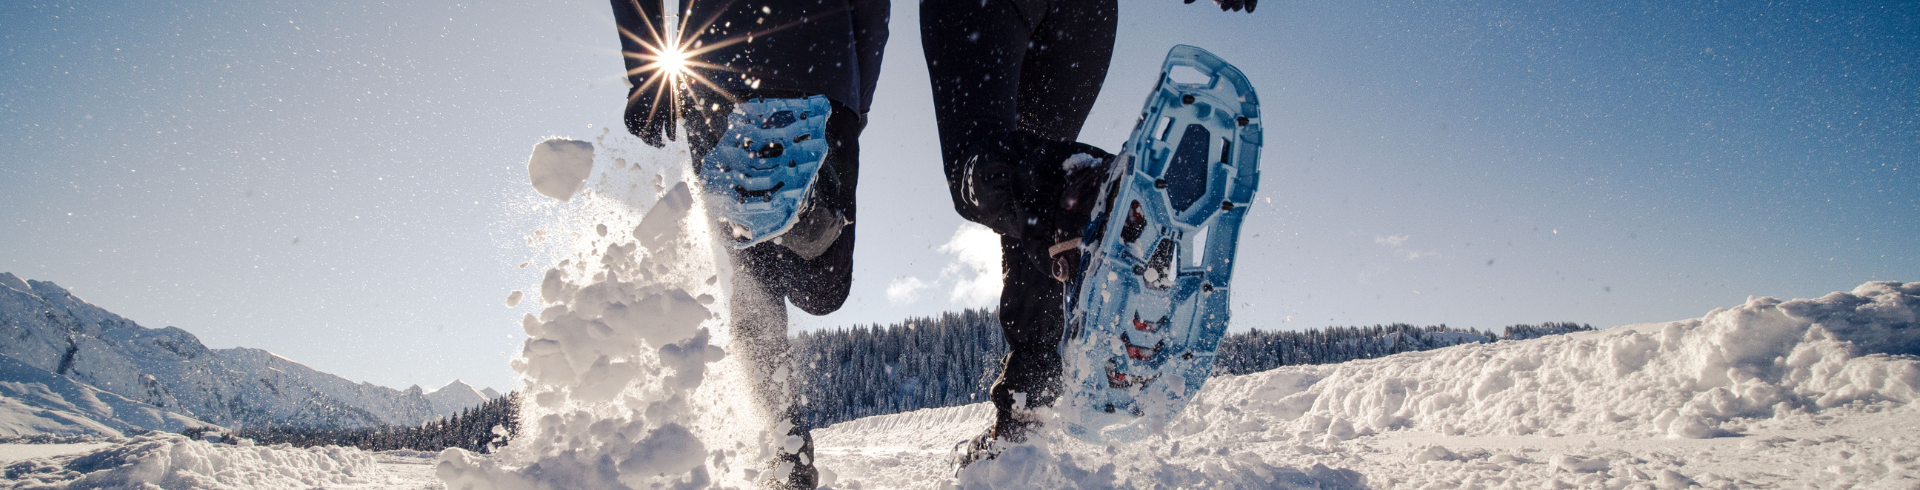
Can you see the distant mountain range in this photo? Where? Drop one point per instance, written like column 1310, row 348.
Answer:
column 69, row 367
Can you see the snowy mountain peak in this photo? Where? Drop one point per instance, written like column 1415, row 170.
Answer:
column 456, row 396
column 457, row 386
column 13, row 282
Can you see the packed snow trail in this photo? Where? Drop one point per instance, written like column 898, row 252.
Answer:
column 1811, row 392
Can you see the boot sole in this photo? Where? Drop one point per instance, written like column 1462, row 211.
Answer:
column 1147, row 313
column 760, row 175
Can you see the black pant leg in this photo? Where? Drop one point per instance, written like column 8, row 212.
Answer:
column 1031, row 320
column 1017, row 65
column 1062, row 72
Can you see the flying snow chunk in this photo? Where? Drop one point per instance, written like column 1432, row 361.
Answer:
column 559, row 167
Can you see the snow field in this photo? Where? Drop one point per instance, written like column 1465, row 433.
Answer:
column 172, row 461
column 1808, row 393
column 16, row 451
column 615, row 369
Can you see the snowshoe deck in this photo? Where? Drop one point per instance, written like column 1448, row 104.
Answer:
column 758, row 177
column 1146, row 315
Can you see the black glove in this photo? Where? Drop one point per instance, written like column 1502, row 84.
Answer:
column 1226, row 5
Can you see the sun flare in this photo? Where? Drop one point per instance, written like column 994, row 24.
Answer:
column 673, row 62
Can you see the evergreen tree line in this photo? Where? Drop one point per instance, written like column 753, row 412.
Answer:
column 472, row 429
column 1258, row 350
column 845, row 374
column 1524, row 332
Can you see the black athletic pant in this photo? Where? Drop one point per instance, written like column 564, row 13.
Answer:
column 1034, row 66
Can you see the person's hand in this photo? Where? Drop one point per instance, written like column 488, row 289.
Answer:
column 1226, row 5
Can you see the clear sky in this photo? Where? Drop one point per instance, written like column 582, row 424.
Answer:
column 344, row 184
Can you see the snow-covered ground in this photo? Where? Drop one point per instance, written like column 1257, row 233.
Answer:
column 1789, row 394
column 19, row 451
column 1768, row 394
column 628, row 384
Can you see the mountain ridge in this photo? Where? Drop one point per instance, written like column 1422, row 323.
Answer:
column 46, row 327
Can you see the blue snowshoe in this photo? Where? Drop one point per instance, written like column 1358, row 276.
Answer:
column 1145, row 316
column 758, row 178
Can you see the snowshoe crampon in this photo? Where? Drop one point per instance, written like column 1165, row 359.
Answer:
column 1146, row 315
column 760, row 175
column 982, row 447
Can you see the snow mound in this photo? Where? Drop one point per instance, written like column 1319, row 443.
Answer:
column 615, row 369
column 173, row 461
column 559, row 167
column 1731, row 370
column 1814, row 393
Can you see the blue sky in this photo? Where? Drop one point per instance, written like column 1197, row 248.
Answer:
column 345, row 184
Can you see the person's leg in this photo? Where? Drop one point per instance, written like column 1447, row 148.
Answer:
column 1013, row 82
column 759, row 337
column 1060, row 78
column 821, row 283
column 1063, row 71
column 974, row 52
column 1030, row 319
column 870, row 35
column 799, row 48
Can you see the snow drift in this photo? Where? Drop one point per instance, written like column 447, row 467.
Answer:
column 1716, row 375
column 1764, row 367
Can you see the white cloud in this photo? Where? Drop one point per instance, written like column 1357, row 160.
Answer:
column 905, row 290
column 975, row 268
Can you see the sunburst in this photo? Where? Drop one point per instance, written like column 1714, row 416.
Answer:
column 672, row 58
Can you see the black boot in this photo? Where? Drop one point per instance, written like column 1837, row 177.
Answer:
column 1027, row 187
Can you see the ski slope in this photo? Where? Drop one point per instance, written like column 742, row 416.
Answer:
column 629, row 385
